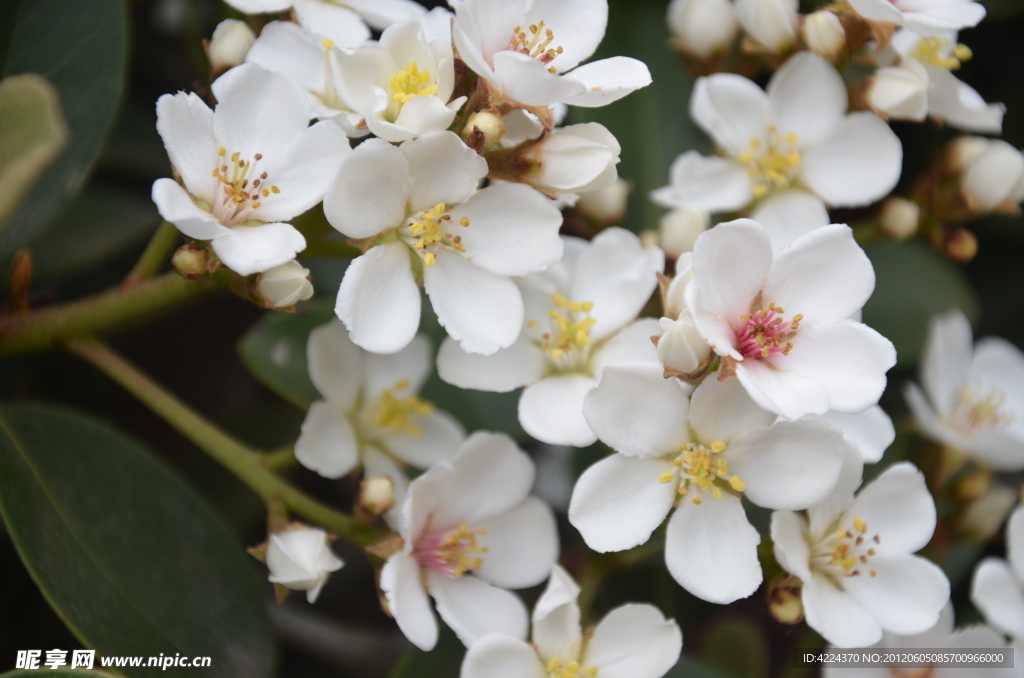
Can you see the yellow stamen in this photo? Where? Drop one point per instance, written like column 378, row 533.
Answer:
column 396, row 414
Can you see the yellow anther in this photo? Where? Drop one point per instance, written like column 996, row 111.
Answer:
column 860, row 525
column 932, row 51
column 697, row 501
column 222, row 151
column 256, row 204
column 755, row 143
column 327, row 43
column 737, row 484
column 405, row 86
column 760, row 190
column 792, row 137
column 717, row 446
column 963, row 52
column 716, row 493
column 395, row 414
column 428, row 258
column 464, row 221
column 666, row 477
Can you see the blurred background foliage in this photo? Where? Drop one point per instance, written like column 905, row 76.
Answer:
column 178, row 545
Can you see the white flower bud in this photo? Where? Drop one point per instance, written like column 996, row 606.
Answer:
column 899, row 217
column 702, row 27
column 681, row 348
column 285, row 285
column 605, row 205
column 995, row 180
column 985, row 516
column 574, row 159
column 680, row 229
column 230, row 43
column 377, row 494
column 675, row 298
column 773, row 23
column 901, row 92
column 301, row 559
column 963, row 151
column 483, row 130
column 824, row 34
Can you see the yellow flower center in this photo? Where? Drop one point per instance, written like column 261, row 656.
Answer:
column 241, row 190
column 452, row 553
column 396, row 414
column 932, row 51
column 567, row 342
column 431, row 229
column 536, row 43
column 846, row 553
column 702, row 467
column 405, row 86
column 572, row 669
column 975, row 412
column 772, row 165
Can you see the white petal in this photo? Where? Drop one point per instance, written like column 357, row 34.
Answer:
column 837, row 616
column 878, row 10
column 370, row 191
column 634, row 641
column 253, row 249
column 185, row 124
column 722, row 410
column 176, row 206
column 711, row 549
column 635, row 410
column 411, row 365
column 609, row 80
column 730, row 265
column 408, row 602
column 473, row 608
column 496, row 656
column 942, row 17
column 871, row 432
column 335, row 364
column 1015, row 541
column 440, row 437
column 706, row 182
column 513, row 229
column 906, row 596
column 339, row 24
column 382, row 13
column 997, row 593
column 898, row 508
column 556, row 617
column 551, row 410
column 578, row 25
column 618, row 502
column 1001, row 363
column 858, row 164
column 379, row 301
column 791, row 549
column 784, row 391
column 960, row 105
column 631, row 344
column 522, row 545
column 928, row 420
column 327, row 443
column 528, row 82
column 288, row 48
column 946, row 361
column 789, row 215
column 509, row 368
column 807, row 96
column 426, row 495
column 420, row 115
column 481, row 310
column 443, row 169
column 825, row 513
column 732, row 109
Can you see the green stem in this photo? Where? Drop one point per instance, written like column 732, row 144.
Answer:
column 247, row 464
column 279, row 460
column 41, row 330
column 154, row 255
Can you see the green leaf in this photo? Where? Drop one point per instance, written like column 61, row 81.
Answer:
column 913, row 283
column 444, row 661
column 133, row 562
column 689, row 667
column 32, row 135
column 737, row 647
column 80, row 47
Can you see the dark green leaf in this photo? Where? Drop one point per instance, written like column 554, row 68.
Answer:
column 444, row 661
column 913, row 283
column 125, row 553
column 80, row 47
column 737, row 647
column 688, row 667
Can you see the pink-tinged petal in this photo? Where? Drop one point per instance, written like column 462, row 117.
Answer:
column 339, row 24
column 634, row 641
column 946, row 361
column 608, row 80
column 706, row 182
column 807, row 96
column 497, row 656
column 905, row 597
column 481, row 310
column 370, row 190
column 185, row 124
column 522, row 545
column 996, row 592
column 790, row 544
column 631, row 344
column 443, row 169
column 528, row 81
column 859, row 163
column 473, row 608
column 427, row 494
column 254, row 249
column 788, row 215
column 732, row 109
column 730, row 266
column 176, row 206
column 510, row 368
column 714, row 327
column 837, row 616
column 618, row 502
column 327, row 443
column 898, row 508
column 551, row 410
column 722, row 410
column 335, row 364
column 711, row 549
column 408, row 602
column 379, row 301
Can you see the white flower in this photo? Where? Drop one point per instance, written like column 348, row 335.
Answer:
column 797, row 135
column 524, row 48
column 579, row 318
column 680, row 347
column 704, row 453
column 230, row 43
column 870, row 432
column 370, row 413
column 997, row 589
column 471, row 531
column 924, row 18
column 783, row 321
column 940, row 636
column 247, row 166
column 286, row 284
column 680, row 228
column 401, row 86
column 854, row 557
column 631, row 641
column 339, row 20
column 772, row 23
column 703, row 27
column 300, row 558
column 824, row 34
column 419, row 203
column 993, row 174
column 574, row 159
column 973, row 400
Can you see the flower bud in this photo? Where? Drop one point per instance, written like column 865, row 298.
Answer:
column 301, row 559
column 994, row 181
column 784, row 601
column 649, row 238
column 483, row 130
column 190, row 261
column 985, row 516
column 681, row 349
column 231, row 42
column 960, row 245
column 680, row 229
column 900, row 93
column 605, row 205
column 574, row 159
column 675, row 296
column 284, row 285
column 702, row 27
column 899, row 218
column 773, row 23
column 962, row 152
column 824, row 34
column 377, row 495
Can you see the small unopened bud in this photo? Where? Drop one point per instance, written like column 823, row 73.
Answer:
column 681, row 349
column 702, row 27
column 772, row 23
column 899, row 218
column 190, row 261
column 300, row 558
column 649, row 238
column 605, row 205
column 900, row 93
column 377, row 495
column 284, row 285
column 574, row 159
column 963, row 151
column 994, row 180
column 784, row 600
column 961, row 245
column 824, row 34
column 974, row 485
column 985, row 516
column 680, row 229
column 230, row 43
column 483, row 130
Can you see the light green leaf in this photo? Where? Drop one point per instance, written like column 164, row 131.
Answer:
column 125, row 553
column 32, row 134
column 80, row 47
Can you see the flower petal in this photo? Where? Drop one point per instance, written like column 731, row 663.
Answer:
column 473, row 608
column 176, row 206
column 730, row 265
column 788, row 215
column 370, row 190
column 337, row 23
column 960, row 105
column 509, row 368
column 871, row 432
column 527, row 81
column 376, row 464
column 379, row 301
column 288, row 48
column 997, row 593
column 440, row 437
column 522, row 545
column 254, row 249
column 419, row 116
column 807, row 96
column 732, row 109
column 786, row 392
column 906, row 596
column 556, row 617
column 837, row 616
column 898, row 508
column 551, row 410
column 709, row 183
column 722, row 410
column 608, row 80
column 443, row 169
column 946, row 361
column 185, row 124
column 928, row 419
column 1015, row 541
column 497, row 656
column 408, row 602
column 939, row 18
column 825, row 513
column 634, row 641
column 791, row 549
column 631, row 344
column 327, row 443
column 578, row 26
column 409, row 368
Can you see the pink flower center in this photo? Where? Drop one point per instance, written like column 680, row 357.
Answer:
column 451, row 553
column 766, row 334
